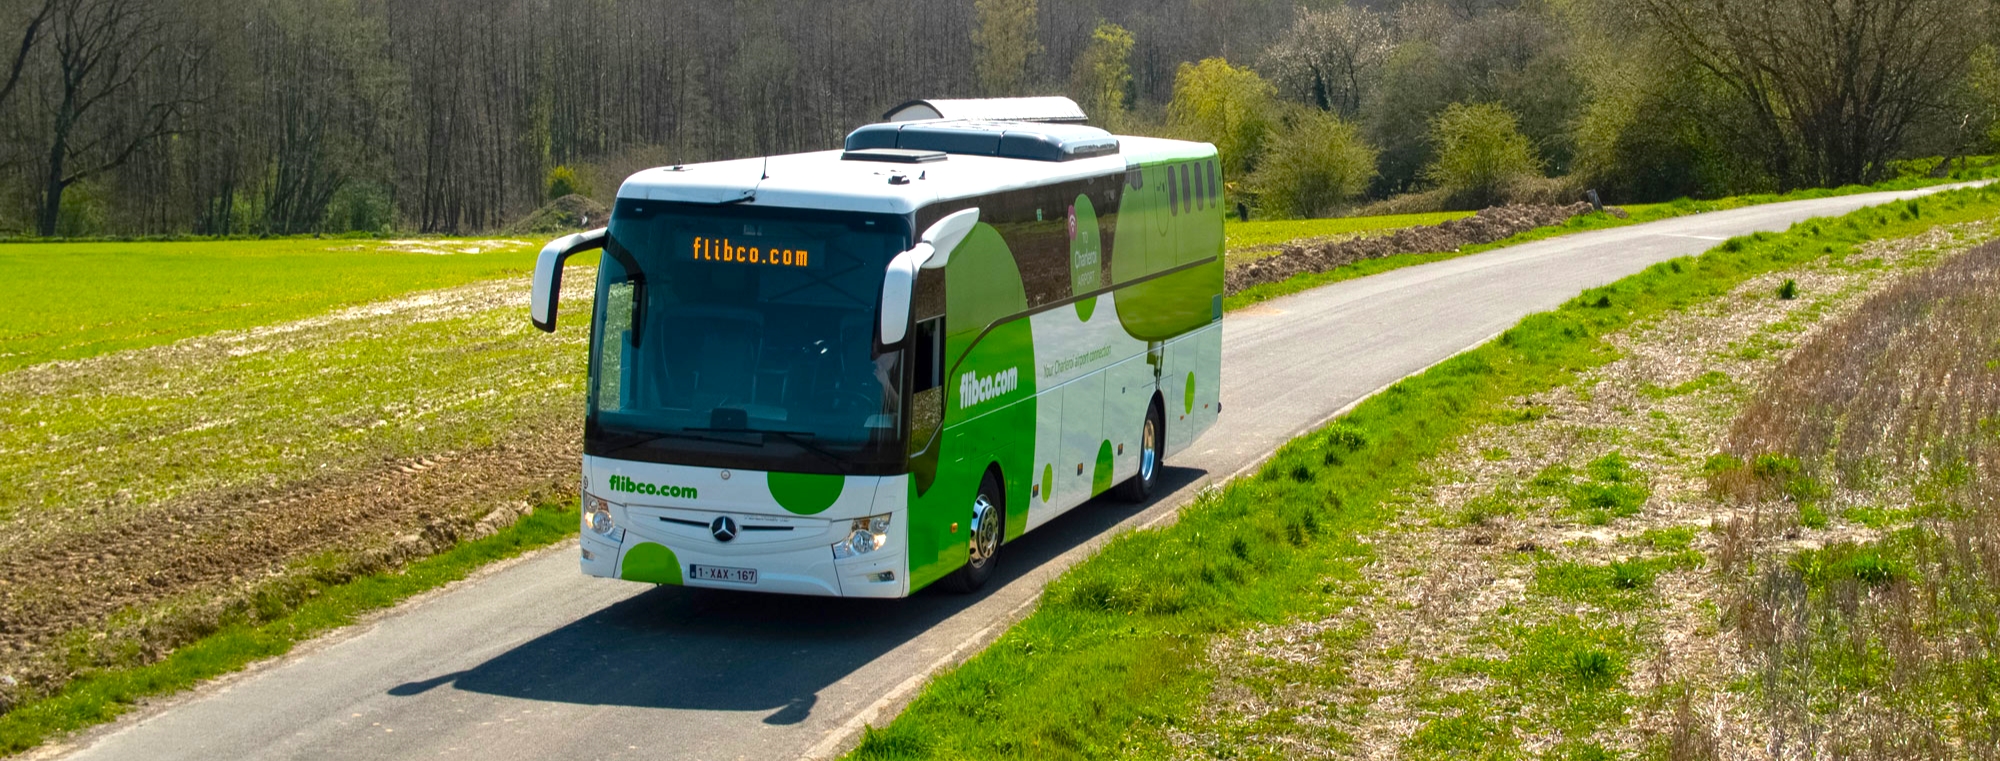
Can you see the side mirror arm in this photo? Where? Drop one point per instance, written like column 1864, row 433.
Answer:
column 548, row 274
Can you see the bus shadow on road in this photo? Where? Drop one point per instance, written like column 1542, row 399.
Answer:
column 713, row 650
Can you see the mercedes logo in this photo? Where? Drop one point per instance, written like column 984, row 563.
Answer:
column 723, row 528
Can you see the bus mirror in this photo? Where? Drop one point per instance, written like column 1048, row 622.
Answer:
column 897, row 287
column 946, row 235
column 932, row 251
column 548, row 274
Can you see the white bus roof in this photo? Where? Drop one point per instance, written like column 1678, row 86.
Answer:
column 823, row 180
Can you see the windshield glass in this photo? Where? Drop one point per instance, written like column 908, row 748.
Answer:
column 739, row 336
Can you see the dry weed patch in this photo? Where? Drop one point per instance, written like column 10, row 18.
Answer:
column 1864, row 577
column 1559, row 586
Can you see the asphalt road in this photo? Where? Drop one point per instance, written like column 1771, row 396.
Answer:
column 534, row 660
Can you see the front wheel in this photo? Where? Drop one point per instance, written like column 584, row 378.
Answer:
column 1140, row 485
column 987, row 530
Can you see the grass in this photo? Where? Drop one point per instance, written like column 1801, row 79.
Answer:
column 76, row 300
column 102, row 695
column 1262, row 234
column 1884, row 408
column 1637, row 214
column 1111, row 662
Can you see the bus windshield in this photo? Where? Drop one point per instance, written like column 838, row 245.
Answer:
column 741, row 336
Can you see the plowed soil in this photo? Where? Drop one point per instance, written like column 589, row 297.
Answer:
column 1488, row 226
column 151, row 495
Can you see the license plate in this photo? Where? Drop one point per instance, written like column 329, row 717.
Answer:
column 718, row 573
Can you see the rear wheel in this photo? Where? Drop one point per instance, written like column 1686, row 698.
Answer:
column 1140, row 485
column 987, row 530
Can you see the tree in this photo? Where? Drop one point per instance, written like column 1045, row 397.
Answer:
column 121, row 84
column 30, row 35
column 1231, row 107
column 1479, row 149
column 1833, row 87
column 1317, row 163
column 1005, row 42
column 1103, row 74
column 1330, row 58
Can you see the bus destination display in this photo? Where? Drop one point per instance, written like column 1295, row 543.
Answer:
column 765, row 254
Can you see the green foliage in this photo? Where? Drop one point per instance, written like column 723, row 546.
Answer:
column 1004, row 42
column 1316, row 164
column 1480, row 149
column 361, row 207
column 561, row 181
column 1215, row 102
column 1103, row 75
column 1788, row 291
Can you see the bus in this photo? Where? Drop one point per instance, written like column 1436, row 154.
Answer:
column 864, row 371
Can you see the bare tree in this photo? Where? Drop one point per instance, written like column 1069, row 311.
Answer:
column 1833, row 86
column 29, row 36
column 1330, row 58
column 113, row 59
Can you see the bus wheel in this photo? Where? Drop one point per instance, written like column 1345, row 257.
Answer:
column 1140, row 486
column 988, row 528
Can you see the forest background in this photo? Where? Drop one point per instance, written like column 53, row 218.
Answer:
column 288, row 117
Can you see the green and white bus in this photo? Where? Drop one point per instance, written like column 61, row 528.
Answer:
column 860, row 372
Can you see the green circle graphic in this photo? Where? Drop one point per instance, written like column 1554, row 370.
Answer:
column 1187, row 403
column 1048, row 480
column 806, row 493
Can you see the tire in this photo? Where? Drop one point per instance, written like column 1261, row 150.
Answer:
column 1151, row 437
column 986, row 533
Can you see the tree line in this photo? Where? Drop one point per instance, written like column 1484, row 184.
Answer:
column 249, row 117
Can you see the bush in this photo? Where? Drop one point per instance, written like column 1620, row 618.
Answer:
column 1316, row 164
column 1218, row 103
column 363, row 207
column 562, row 181
column 1480, row 149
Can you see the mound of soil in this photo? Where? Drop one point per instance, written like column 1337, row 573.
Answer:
column 1488, row 226
column 567, row 214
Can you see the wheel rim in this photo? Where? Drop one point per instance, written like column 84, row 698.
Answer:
column 1148, row 451
column 985, row 532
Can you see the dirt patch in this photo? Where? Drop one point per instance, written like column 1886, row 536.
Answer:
column 567, row 214
column 181, row 486
column 442, row 247
column 1324, row 254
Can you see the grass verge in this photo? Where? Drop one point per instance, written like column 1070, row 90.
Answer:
column 1111, row 663
column 1638, row 214
column 103, row 695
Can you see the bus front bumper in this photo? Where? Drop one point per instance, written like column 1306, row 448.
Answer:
column 682, row 548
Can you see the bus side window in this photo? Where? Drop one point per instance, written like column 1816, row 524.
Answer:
column 926, row 382
column 929, row 359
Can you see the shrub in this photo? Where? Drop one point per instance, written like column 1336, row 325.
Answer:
column 1218, row 103
column 362, row 207
column 562, row 181
column 1480, row 149
column 1789, row 291
column 1316, row 164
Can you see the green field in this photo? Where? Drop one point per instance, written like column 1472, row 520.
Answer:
column 76, row 300
column 1246, row 236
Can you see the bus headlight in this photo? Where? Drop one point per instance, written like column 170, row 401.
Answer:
column 864, row 535
column 597, row 515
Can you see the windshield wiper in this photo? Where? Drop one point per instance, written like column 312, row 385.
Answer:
column 801, row 439
column 650, row 439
